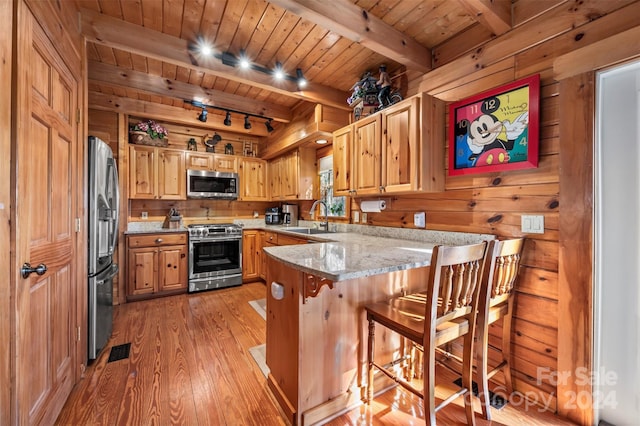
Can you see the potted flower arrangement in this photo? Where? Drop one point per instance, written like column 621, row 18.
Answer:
column 148, row 133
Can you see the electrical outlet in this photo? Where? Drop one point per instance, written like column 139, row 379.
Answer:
column 419, row 220
column 364, row 218
column 144, row 215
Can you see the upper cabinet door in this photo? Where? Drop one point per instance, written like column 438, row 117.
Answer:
column 253, row 179
column 142, row 172
column 400, row 147
column 367, row 155
column 342, row 140
column 172, row 183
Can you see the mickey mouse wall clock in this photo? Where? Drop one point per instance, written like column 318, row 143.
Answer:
column 496, row 130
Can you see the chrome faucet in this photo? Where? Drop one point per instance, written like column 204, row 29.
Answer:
column 324, row 224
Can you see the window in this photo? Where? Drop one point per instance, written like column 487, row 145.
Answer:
column 336, row 205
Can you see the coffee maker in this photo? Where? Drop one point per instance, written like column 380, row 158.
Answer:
column 290, row 214
column 272, row 216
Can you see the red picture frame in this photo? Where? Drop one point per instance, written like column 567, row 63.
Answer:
column 496, row 130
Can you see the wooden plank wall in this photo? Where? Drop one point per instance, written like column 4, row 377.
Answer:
column 494, row 203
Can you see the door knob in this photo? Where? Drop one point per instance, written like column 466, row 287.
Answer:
column 27, row 270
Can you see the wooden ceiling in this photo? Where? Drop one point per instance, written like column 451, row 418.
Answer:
column 142, row 52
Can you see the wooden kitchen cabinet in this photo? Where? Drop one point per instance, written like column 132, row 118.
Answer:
column 253, row 179
column 211, row 162
column 251, row 255
column 342, row 145
column 367, row 155
column 270, row 239
column 156, row 173
column 292, row 176
column 157, row 264
column 399, row 150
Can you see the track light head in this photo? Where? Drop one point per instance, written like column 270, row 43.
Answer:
column 247, row 123
column 203, row 115
column 268, row 125
column 227, row 119
column 302, row 82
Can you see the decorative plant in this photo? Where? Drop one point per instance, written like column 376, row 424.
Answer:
column 153, row 129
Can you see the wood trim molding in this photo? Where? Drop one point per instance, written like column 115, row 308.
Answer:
column 6, row 306
column 612, row 50
column 575, row 263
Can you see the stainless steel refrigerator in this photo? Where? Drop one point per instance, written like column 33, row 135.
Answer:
column 104, row 204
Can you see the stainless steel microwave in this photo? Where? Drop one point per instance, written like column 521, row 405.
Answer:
column 214, row 185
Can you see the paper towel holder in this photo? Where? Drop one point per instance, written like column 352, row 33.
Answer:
column 373, row 206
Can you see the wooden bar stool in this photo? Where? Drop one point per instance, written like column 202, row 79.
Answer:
column 446, row 311
column 496, row 301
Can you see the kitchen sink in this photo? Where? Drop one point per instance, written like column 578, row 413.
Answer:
column 308, row 231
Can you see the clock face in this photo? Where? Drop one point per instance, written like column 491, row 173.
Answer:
column 495, row 130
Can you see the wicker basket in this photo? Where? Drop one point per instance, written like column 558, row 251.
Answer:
column 142, row 138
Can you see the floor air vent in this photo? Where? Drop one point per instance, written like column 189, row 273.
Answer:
column 496, row 401
column 119, row 352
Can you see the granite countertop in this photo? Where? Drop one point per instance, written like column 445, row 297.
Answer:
column 349, row 255
column 151, row 227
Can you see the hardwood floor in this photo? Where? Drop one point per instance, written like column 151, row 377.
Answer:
column 189, row 364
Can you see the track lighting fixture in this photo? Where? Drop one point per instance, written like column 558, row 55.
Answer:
column 227, row 118
column 277, row 72
column 203, row 115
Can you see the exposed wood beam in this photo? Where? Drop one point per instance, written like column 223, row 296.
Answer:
column 133, row 38
column 169, row 113
column 102, row 72
column 354, row 23
column 493, row 14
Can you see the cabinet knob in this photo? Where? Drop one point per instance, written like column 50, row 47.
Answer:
column 159, row 240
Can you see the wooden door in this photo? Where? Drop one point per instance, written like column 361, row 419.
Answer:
column 225, row 163
column 367, row 156
column 172, row 268
column 143, row 271
column 289, row 172
column 46, row 159
column 253, row 179
column 196, row 161
column 142, row 172
column 400, row 148
column 172, row 179
column 275, row 178
column 249, row 257
column 342, row 140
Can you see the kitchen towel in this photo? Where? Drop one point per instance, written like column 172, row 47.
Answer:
column 373, row 206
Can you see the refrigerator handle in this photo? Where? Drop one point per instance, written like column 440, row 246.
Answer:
column 115, row 210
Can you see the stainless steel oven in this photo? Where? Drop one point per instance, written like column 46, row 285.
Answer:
column 215, row 256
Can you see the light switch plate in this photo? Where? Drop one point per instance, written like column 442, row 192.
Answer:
column 532, row 224
column 419, row 220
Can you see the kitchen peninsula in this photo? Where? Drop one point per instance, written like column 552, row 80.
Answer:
column 316, row 325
